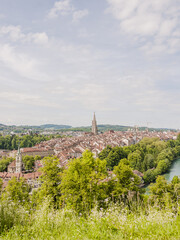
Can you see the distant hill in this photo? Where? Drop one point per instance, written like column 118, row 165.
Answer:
column 107, row 127
column 24, row 128
column 101, row 128
column 54, row 126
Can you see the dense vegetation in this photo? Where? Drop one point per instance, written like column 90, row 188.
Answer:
column 84, row 202
column 28, row 162
column 4, row 162
column 25, row 128
column 150, row 156
column 87, row 201
column 11, row 142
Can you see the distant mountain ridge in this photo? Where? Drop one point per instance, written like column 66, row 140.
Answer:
column 38, row 127
column 54, row 126
column 63, row 127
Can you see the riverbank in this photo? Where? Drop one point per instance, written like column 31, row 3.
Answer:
column 174, row 170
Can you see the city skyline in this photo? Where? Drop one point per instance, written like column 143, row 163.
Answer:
column 62, row 60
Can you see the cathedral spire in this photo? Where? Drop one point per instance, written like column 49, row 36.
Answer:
column 94, row 125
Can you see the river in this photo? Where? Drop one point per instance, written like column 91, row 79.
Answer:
column 173, row 171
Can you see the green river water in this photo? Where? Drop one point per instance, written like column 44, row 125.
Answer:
column 173, row 171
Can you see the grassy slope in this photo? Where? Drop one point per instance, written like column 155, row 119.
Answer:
column 114, row 224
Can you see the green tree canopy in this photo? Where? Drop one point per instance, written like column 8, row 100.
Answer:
column 28, row 162
column 82, row 182
column 50, row 179
column 17, row 190
column 125, row 181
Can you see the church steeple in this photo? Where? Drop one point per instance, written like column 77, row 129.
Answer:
column 94, row 125
column 18, row 161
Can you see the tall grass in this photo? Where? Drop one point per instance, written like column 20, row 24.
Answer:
column 114, row 223
column 11, row 214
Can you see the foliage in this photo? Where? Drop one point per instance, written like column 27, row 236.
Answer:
column 82, row 184
column 114, row 224
column 135, row 160
column 149, row 176
column 28, row 162
column 17, row 190
column 11, row 214
column 163, row 193
column 4, row 162
column 126, row 182
column 85, row 201
column 150, row 156
column 50, row 179
column 11, row 142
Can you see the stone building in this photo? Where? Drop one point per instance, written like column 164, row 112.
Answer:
column 34, row 151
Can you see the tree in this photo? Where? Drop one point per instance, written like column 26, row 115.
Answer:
column 4, row 162
column 82, row 184
column 17, row 190
column 104, row 153
column 164, row 194
column 50, row 179
column 178, row 138
column 175, row 189
column 114, row 156
column 163, row 166
column 28, row 162
column 148, row 162
column 160, row 187
column 165, row 154
column 37, row 157
column 149, row 176
column 135, row 160
column 125, row 181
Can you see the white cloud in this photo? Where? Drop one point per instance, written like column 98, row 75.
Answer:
column 39, row 38
column 60, row 7
column 15, row 34
column 16, row 61
column 26, row 98
column 77, row 15
column 92, row 96
column 65, row 7
column 21, row 63
column 150, row 20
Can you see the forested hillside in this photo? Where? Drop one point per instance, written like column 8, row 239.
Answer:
column 150, row 156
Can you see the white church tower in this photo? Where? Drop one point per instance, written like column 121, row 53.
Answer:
column 18, row 161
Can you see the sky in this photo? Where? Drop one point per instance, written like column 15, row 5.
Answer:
column 61, row 61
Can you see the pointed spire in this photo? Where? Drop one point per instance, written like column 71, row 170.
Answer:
column 94, row 125
column 18, row 152
column 94, row 119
